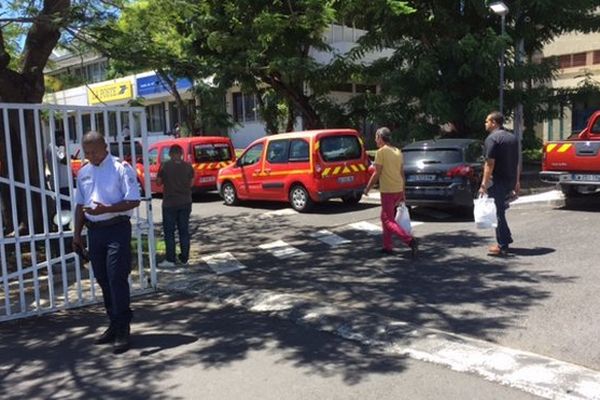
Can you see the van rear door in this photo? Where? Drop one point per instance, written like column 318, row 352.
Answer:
column 343, row 162
column 207, row 159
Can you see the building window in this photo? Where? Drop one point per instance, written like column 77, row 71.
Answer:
column 155, row 115
column 597, row 57
column 579, row 59
column 572, row 60
column 244, row 107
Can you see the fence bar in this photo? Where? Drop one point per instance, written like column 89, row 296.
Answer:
column 22, row 281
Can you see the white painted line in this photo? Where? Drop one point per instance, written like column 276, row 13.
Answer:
column 223, row 263
column 283, row 211
column 373, row 229
column 281, row 249
column 368, row 227
column 329, row 238
column 540, row 197
column 533, row 373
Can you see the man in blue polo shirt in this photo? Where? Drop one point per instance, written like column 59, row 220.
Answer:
column 107, row 192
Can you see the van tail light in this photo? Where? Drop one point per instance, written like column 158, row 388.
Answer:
column 318, row 170
column 461, row 170
column 544, row 155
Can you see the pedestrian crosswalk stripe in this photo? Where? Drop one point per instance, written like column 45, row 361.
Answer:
column 223, row 263
column 368, row 227
column 281, row 249
column 329, row 238
column 283, row 211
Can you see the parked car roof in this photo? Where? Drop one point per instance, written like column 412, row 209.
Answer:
column 441, row 143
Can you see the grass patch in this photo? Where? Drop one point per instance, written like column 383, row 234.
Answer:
column 159, row 245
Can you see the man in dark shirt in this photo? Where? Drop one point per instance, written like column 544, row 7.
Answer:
column 177, row 176
column 500, row 176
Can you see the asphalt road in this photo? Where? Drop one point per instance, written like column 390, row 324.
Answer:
column 184, row 348
column 542, row 299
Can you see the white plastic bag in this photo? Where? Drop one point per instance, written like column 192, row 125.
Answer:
column 484, row 212
column 403, row 218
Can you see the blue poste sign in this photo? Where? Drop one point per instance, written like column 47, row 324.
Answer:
column 153, row 84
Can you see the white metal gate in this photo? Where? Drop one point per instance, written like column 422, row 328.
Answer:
column 39, row 272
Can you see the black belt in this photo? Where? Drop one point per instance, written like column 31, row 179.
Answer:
column 107, row 222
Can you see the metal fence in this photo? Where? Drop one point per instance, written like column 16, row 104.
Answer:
column 39, row 272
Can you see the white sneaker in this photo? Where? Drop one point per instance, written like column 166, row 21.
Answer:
column 166, row 264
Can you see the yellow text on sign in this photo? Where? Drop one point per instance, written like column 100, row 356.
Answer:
column 110, row 92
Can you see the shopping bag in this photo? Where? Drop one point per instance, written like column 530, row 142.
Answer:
column 403, row 218
column 484, row 212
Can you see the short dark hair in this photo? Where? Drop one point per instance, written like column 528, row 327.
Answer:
column 175, row 149
column 497, row 117
column 385, row 134
column 93, row 137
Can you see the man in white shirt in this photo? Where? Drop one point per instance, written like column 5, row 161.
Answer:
column 107, row 192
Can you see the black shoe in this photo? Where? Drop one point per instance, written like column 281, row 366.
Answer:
column 122, row 343
column 414, row 247
column 107, row 337
column 386, row 252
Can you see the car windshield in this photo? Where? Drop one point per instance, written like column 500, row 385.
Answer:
column 340, row 148
column 431, row 156
column 212, row 152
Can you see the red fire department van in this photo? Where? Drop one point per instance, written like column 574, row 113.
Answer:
column 207, row 154
column 299, row 167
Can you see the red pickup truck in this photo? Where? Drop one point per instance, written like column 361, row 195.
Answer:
column 574, row 164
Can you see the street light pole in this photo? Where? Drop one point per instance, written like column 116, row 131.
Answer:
column 501, row 83
column 501, row 9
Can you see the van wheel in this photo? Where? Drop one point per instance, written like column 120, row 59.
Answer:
column 229, row 194
column 352, row 199
column 299, row 198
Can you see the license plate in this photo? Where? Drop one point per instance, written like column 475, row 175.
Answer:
column 420, row 177
column 205, row 179
column 586, row 177
column 345, row 179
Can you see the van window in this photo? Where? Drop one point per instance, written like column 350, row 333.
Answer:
column 153, row 156
column 212, row 152
column 340, row 148
column 299, row 150
column 164, row 154
column 252, row 155
column 277, row 151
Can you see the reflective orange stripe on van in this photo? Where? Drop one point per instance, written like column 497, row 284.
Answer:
column 215, row 165
column 559, row 148
column 340, row 170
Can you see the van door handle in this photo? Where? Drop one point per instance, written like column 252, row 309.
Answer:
column 267, row 171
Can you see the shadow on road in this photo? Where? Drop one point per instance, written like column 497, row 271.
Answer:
column 445, row 288
column 53, row 356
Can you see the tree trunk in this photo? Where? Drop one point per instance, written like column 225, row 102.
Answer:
column 27, row 86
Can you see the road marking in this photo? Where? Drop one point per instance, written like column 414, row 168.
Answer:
column 540, row 197
column 281, row 249
column 373, row 229
column 329, row 238
column 223, row 263
column 368, row 227
column 283, row 211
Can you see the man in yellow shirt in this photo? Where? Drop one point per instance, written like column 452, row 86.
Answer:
column 389, row 171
